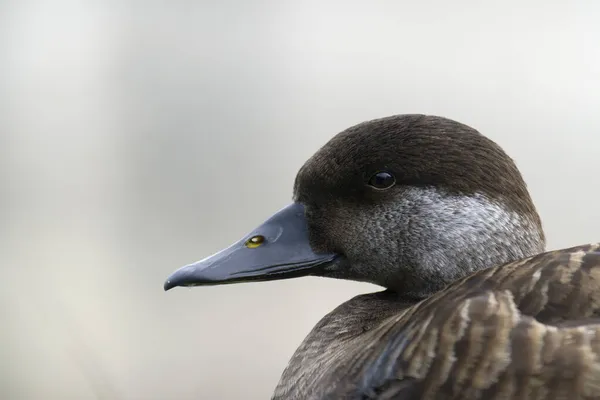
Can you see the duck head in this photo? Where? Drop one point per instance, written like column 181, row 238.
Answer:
column 408, row 202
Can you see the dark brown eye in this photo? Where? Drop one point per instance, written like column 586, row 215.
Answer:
column 382, row 180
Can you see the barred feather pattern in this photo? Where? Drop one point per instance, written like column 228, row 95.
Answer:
column 525, row 330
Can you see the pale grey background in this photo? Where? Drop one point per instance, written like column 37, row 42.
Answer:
column 138, row 136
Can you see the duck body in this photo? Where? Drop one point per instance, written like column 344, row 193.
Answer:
column 438, row 215
column 525, row 330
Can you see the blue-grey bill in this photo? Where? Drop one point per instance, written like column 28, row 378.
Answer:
column 283, row 252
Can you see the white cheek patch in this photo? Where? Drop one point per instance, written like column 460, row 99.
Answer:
column 444, row 235
column 475, row 231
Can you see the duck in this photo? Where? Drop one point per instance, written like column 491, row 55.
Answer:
column 471, row 306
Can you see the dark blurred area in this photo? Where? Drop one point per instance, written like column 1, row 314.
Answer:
column 139, row 136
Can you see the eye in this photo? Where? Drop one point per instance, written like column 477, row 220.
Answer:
column 255, row 241
column 382, row 180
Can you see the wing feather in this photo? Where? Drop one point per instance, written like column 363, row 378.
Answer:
column 525, row 330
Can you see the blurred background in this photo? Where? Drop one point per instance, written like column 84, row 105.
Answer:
column 139, row 136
